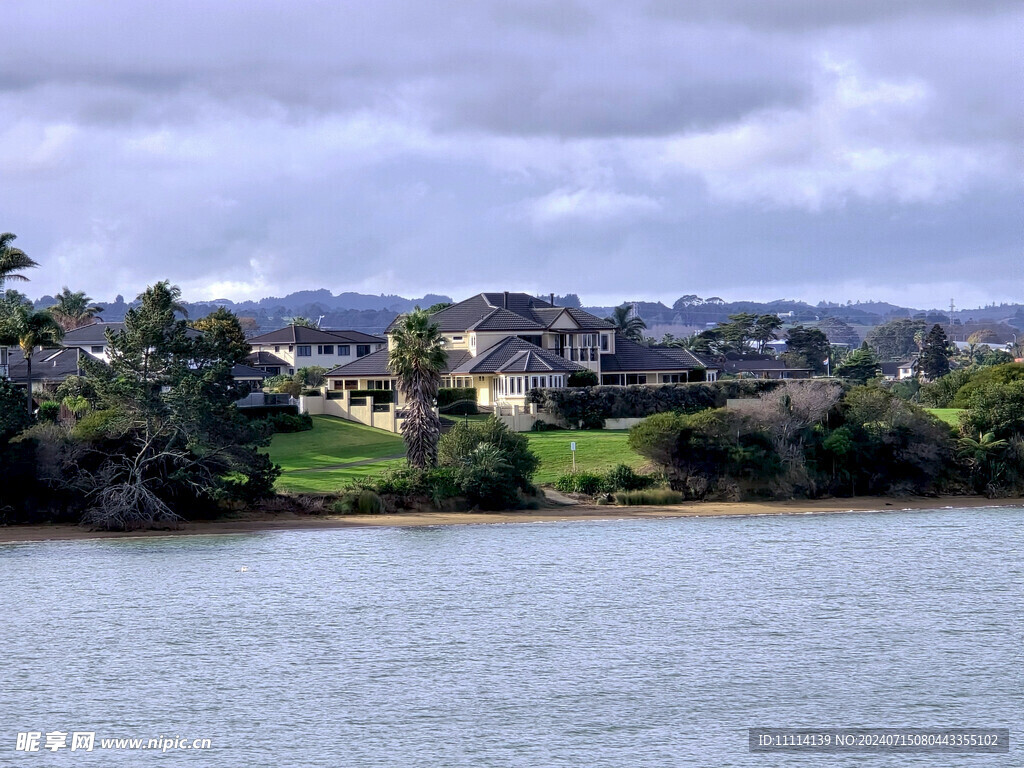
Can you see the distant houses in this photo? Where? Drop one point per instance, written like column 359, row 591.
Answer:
column 284, row 351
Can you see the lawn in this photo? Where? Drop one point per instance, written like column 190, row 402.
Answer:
column 596, row 451
column 332, row 442
column 949, row 415
column 310, row 460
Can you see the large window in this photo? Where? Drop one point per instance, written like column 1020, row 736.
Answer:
column 325, row 349
column 362, row 350
column 344, row 350
column 604, row 342
column 304, row 350
column 96, row 349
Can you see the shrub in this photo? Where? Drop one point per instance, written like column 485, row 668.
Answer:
column 625, row 478
column 582, row 379
column 544, row 426
column 94, row 426
column 488, row 480
column 287, row 422
column 359, row 502
column 588, row 483
column 49, row 410
column 653, row 497
column 455, row 401
column 312, row 393
column 459, row 443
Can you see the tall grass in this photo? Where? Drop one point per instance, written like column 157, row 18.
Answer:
column 651, row 497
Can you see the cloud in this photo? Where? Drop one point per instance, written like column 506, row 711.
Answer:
column 409, row 147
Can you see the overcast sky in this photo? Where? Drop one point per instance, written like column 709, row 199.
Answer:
column 862, row 149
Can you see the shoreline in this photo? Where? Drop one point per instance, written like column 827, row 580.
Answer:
column 265, row 522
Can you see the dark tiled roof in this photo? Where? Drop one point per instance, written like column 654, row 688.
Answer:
column 265, row 358
column 515, row 355
column 373, row 364
column 511, row 312
column 91, row 334
column 300, row 334
column 505, row 320
column 47, row 364
column 246, row 372
column 630, row 356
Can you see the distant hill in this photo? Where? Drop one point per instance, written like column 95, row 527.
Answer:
column 372, row 313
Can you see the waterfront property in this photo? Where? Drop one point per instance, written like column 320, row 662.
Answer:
column 288, row 349
column 504, row 344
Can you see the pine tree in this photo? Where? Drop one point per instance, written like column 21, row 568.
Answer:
column 934, row 360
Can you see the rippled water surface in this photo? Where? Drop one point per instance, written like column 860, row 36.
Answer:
column 626, row 643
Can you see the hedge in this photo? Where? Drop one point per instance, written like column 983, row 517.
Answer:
column 377, row 395
column 587, row 408
column 452, row 400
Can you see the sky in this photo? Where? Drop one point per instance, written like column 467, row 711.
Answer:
column 809, row 149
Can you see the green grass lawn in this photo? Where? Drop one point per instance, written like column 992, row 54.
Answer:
column 332, row 441
column 949, row 415
column 302, row 455
column 596, row 451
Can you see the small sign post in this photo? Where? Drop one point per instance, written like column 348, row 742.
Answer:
column 572, row 447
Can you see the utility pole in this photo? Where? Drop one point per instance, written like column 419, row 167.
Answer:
column 952, row 308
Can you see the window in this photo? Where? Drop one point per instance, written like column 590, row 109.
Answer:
column 304, row 350
column 593, row 354
column 277, row 347
column 604, row 342
column 325, row 349
column 344, row 350
column 362, row 350
column 378, row 384
column 457, row 339
column 96, row 349
column 351, row 384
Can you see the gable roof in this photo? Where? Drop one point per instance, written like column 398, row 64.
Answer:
column 507, row 312
column 47, row 364
column 91, row 334
column 514, row 355
column 376, row 364
column 300, row 334
column 630, row 356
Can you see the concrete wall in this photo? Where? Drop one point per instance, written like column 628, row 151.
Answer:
column 343, row 408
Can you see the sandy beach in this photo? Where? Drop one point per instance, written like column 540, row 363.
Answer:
column 260, row 522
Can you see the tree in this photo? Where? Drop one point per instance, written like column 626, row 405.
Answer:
column 860, row 366
column 765, row 329
column 934, row 360
column 29, row 328
column 839, row 332
column 806, row 348
column 301, row 322
column 223, row 330
column 74, row 309
column 438, row 307
column 896, row 339
column 12, row 259
column 737, row 331
column 417, row 358
column 166, row 438
column 632, row 327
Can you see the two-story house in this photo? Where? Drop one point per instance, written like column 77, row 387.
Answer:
column 287, row 349
column 505, row 344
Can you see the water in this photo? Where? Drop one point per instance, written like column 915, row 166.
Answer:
column 620, row 643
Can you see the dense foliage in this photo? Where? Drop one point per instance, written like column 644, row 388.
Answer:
column 154, row 436
column 588, row 408
column 805, row 439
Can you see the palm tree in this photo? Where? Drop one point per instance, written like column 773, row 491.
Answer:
column 630, row 327
column 164, row 297
column 417, row 358
column 74, row 309
column 29, row 328
column 12, row 259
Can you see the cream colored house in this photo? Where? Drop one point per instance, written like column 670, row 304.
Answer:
column 286, row 350
column 505, row 344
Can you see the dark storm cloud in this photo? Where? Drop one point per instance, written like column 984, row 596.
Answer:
column 251, row 148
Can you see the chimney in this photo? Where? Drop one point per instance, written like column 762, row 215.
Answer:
column 552, row 300
column 505, row 304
